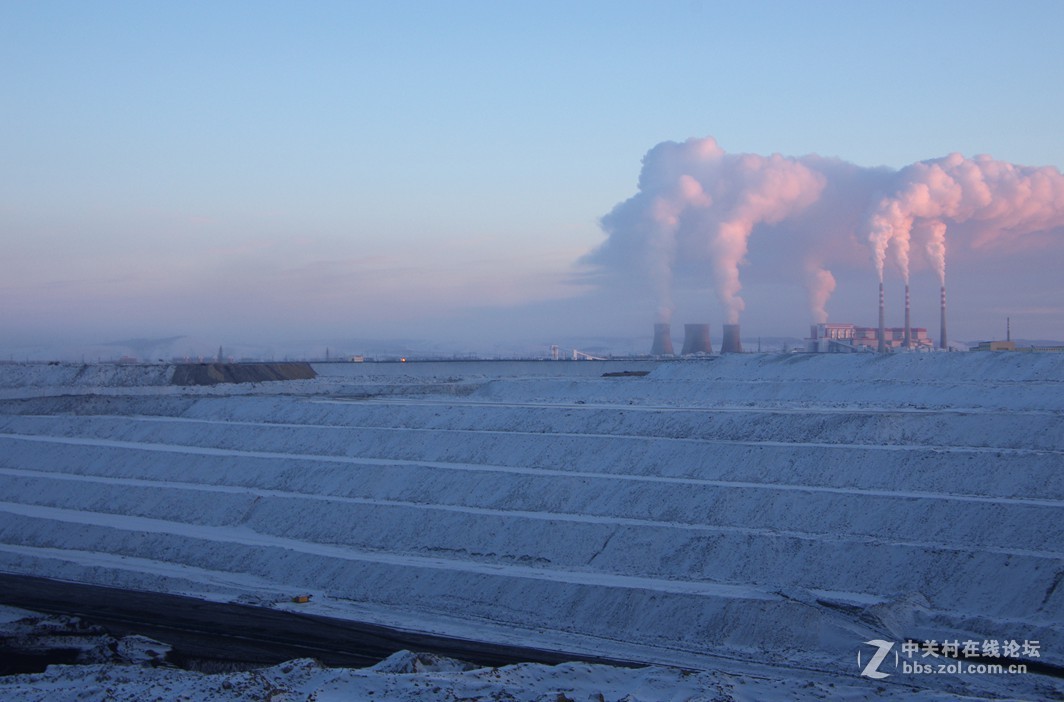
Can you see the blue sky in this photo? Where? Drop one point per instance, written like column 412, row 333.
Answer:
column 259, row 172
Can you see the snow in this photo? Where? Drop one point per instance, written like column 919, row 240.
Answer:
column 407, row 677
column 133, row 668
column 38, row 634
column 776, row 510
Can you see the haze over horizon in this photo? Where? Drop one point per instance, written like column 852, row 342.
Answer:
column 478, row 176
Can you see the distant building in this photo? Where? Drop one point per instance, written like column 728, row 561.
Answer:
column 1007, row 345
column 831, row 338
column 1011, row 346
column 846, row 338
column 995, row 346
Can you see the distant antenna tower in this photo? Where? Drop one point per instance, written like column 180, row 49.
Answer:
column 221, row 358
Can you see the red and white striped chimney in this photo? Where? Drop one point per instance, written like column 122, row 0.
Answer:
column 908, row 327
column 942, row 342
column 882, row 346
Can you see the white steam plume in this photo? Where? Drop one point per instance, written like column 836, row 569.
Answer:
column 933, row 234
column 697, row 202
column 770, row 190
column 1002, row 200
column 697, row 208
column 820, row 283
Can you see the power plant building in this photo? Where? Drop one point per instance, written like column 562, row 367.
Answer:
column 731, row 342
column 844, row 338
column 662, row 345
column 696, row 339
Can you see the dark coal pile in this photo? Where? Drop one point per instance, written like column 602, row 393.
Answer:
column 215, row 373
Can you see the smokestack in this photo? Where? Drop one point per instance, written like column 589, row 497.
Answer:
column 731, row 343
column 696, row 339
column 662, row 340
column 942, row 343
column 908, row 334
column 882, row 346
column 1008, row 328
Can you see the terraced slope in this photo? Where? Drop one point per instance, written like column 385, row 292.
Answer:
column 772, row 508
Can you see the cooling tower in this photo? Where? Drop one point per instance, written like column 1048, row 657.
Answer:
column 730, row 343
column 662, row 341
column 942, row 343
column 881, row 347
column 908, row 327
column 696, row 339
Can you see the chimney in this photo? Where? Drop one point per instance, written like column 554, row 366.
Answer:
column 942, row 343
column 908, row 328
column 731, row 343
column 1008, row 328
column 882, row 346
column 696, row 339
column 662, row 340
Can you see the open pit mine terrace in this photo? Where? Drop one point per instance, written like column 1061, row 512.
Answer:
column 745, row 510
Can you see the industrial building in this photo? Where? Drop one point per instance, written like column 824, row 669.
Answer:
column 695, row 340
column 845, row 338
column 662, row 345
column 995, row 346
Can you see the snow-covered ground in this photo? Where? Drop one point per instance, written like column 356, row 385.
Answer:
column 753, row 516
column 125, row 670
column 131, row 669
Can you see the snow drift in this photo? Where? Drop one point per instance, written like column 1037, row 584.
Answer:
column 772, row 508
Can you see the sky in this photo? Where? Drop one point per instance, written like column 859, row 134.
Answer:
column 283, row 175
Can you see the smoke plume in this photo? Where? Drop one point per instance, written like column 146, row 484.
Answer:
column 697, row 208
column 820, row 283
column 698, row 203
column 1001, row 200
column 933, row 234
